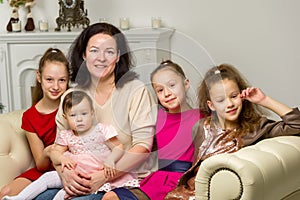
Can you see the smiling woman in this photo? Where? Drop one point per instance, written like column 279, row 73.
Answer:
column 101, row 62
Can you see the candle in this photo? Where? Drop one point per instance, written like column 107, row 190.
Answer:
column 124, row 23
column 103, row 20
column 156, row 22
column 43, row 25
column 16, row 26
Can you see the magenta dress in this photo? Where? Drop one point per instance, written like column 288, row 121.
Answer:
column 175, row 151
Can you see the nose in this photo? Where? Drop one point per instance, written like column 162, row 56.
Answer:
column 167, row 92
column 56, row 85
column 229, row 103
column 78, row 118
column 101, row 56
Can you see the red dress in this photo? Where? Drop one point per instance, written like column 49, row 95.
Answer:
column 45, row 127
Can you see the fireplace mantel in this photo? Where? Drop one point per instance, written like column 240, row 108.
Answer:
column 20, row 54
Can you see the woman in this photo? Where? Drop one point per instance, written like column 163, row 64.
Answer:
column 101, row 61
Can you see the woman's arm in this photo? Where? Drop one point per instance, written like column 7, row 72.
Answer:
column 39, row 152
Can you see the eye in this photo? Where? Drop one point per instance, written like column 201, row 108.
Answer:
column 109, row 52
column 235, row 95
column 94, row 50
column 159, row 90
column 219, row 100
column 84, row 113
column 62, row 80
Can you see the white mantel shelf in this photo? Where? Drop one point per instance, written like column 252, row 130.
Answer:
column 132, row 35
column 20, row 53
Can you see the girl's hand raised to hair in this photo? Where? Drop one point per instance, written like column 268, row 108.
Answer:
column 253, row 94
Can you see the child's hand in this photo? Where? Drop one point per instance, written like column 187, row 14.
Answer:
column 67, row 163
column 109, row 169
column 254, row 95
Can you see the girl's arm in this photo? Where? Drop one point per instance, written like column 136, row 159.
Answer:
column 39, row 152
column 255, row 95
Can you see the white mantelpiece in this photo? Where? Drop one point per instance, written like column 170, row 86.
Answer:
column 20, row 54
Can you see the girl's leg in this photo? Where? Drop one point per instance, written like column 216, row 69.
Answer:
column 15, row 187
column 47, row 180
column 110, row 196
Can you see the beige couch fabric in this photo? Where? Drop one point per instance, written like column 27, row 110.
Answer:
column 269, row 170
column 15, row 155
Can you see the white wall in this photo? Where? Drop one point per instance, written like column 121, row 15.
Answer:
column 260, row 37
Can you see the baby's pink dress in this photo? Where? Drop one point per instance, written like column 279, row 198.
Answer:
column 90, row 151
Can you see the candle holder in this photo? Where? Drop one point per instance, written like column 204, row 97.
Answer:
column 156, row 22
column 16, row 26
column 43, row 25
column 124, row 23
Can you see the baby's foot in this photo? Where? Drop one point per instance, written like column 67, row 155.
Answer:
column 11, row 198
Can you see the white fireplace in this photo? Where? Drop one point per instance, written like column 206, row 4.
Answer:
column 20, row 54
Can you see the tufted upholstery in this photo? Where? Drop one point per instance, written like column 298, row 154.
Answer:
column 269, row 170
column 15, row 155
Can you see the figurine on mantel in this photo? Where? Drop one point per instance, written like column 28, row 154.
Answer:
column 15, row 4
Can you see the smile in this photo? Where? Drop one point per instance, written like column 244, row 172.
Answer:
column 232, row 111
column 100, row 66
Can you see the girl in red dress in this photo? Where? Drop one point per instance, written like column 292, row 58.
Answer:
column 38, row 121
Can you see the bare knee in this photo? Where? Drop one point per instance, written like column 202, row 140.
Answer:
column 5, row 191
column 110, row 196
column 14, row 187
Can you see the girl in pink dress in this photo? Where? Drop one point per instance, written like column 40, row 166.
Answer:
column 173, row 130
column 52, row 77
column 86, row 147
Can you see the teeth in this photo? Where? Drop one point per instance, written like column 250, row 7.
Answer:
column 100, row 66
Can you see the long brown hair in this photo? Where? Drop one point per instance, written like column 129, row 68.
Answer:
column 51, row 55
column 80, row 73
column 250, row 114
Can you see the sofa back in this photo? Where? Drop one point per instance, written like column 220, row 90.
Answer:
column 15, row 154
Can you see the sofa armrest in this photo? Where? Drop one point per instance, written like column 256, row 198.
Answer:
column 267, row 170
column 15, row 154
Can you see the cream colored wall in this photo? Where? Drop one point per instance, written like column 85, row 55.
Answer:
column 261, row 38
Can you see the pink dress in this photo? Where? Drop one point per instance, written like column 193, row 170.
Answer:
column 175, row 151
column 90, row 151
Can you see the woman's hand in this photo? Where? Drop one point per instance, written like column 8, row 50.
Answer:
column 75, row 183
column 97, row 180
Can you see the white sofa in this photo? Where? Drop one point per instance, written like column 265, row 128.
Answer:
column 269, row 170
column 15, row 155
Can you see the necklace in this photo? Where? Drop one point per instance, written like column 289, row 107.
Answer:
column 67, row 5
